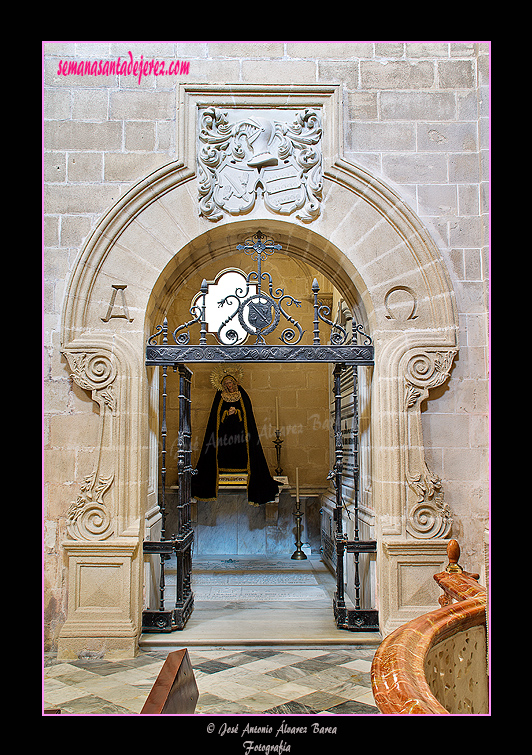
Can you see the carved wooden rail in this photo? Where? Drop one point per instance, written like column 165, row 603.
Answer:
column 436, row 664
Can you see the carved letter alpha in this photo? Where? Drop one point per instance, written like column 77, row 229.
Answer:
column 122, row 310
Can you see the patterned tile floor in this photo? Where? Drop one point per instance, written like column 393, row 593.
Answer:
column 231, row 681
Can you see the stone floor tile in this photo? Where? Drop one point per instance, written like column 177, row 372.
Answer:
column 320, row 700
column 311, row 665
column 329, row 677
column 212, row 667
column 258, row 681
column 94, row 705
column 229, row 690
column 351, row 707
column 264, row 664
column 367, row 698
column 260, row 701
column 336, row 657
column 358, row 665
column 238, row 659
column 291, row 691
column 288, row 673
column 292, row 707
column 58, row 696
column 350, row 691
column 57, row 669
column 307, row 652
column 207, row 699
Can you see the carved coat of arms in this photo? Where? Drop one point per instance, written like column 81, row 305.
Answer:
column 251, row 157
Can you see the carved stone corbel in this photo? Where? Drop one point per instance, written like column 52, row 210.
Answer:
column 89, row 517
column 94, row 371
column 428, row 516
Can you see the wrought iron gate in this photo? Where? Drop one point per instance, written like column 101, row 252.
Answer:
column 354, row 619
column 180, row 545
column 258, row 312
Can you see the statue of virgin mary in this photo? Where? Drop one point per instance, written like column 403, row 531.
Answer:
column 231, row 444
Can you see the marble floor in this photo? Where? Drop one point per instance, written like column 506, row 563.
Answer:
column 261, row 640
column 230, row 681
column 245, row 600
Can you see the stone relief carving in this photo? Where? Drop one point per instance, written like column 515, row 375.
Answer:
column 428, row 516
column 401, row 303
column 122, row 308
column 94, row 372
column 246, row 155
column 89, row 517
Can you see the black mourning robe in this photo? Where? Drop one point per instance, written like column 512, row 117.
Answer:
column 232, row 445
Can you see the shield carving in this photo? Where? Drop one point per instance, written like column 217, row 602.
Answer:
column 284, row 191
column 235, row 191
column 248, row 156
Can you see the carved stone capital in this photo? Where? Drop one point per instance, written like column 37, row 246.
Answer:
column 426, row 370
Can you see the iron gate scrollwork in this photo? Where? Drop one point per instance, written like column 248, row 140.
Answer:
column 259, row 311
column 179, row 545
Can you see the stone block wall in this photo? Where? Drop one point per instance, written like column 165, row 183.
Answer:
column 415, row 115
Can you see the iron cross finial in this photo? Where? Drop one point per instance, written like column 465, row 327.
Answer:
column 259, row 247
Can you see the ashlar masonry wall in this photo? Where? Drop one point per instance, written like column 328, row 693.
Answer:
column 415, row 116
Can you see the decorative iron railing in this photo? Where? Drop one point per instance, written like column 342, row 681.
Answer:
column 259, row 308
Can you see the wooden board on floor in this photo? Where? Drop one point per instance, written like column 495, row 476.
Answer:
column 175, row 690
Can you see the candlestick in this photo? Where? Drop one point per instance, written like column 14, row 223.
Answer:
column 278, row 443
column 298, row 554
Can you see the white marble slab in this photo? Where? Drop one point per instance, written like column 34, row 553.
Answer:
column 258, row 594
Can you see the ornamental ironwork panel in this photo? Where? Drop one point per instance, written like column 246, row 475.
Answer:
column 354, row 619
column 169, row 355
column 259, row 308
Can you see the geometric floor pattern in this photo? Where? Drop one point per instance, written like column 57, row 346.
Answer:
column 282, row 653
column 291, row 681
column 258, row 681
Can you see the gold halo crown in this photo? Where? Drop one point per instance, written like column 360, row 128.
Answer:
column 221, row 371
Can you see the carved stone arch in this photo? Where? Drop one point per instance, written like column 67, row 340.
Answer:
column 367, row 241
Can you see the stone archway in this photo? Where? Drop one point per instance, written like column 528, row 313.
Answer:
column 369, row 242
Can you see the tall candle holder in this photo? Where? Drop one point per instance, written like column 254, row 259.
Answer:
column 298, row 554
column 278, row 442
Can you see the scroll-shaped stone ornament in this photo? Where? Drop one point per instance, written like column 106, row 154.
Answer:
column 95, row 372
column 428, row 515
column 244, row 155
column 89, row 517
